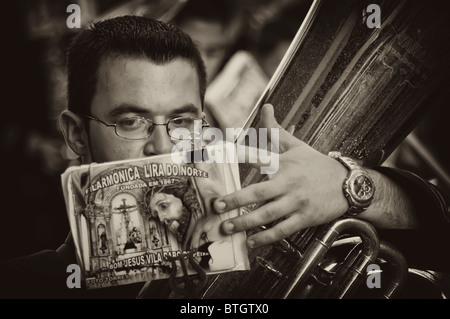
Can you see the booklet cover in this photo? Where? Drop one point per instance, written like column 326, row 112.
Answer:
column 144, row 219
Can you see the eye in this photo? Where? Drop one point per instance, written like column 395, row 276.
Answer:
column 164, row 205
column 131, row 123
column 182, row 121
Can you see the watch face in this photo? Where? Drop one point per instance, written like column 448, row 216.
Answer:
column 362, row 188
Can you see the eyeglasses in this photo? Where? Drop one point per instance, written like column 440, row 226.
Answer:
column 138, row 127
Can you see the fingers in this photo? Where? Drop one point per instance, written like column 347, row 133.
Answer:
column 251, row 194
column 268, row 116
column 252, row 155
column 278, row 232
column 261, row 216
column 286, row 140
column 291, row 129
column 280, row 140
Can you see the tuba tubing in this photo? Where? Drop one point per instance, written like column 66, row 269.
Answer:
column 400, row 269
column 360, row 91
column 354, row 266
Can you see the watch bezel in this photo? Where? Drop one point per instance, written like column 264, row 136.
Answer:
column 357, row 204
column 350, row 186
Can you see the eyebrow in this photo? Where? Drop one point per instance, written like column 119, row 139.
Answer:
column 161, row 200
column 189, row 108
column 130, row 108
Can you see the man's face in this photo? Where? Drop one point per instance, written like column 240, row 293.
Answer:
column 171, row 211
column 137, row 87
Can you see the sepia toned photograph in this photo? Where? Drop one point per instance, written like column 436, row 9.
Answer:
column 237, row 155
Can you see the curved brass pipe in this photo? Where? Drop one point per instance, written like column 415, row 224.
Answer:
column 320, row 245
column 399, row 266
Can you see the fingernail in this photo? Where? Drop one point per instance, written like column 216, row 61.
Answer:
column 228, row 227
column 220, row 205
column 251, row 243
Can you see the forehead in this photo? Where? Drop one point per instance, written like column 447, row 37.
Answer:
column 155, row 89
column 157, row 197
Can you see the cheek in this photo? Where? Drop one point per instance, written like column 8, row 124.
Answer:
column 106, row 148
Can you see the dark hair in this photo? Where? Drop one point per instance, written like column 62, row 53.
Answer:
column 132, row 36
column 222, row 11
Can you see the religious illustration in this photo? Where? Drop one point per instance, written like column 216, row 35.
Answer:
column 151, row 218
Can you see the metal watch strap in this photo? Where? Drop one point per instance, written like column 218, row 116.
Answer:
column 351, row 166
column 348, row 163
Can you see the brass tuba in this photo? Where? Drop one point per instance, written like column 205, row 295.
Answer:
column 359, row 90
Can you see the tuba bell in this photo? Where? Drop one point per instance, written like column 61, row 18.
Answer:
column 360, row 91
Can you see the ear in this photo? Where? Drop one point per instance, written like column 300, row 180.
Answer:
column 75, row 135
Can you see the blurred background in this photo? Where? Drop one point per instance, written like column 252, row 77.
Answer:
column 250, row 35
column 34, row 152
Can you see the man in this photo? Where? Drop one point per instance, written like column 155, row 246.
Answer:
column 216, row 27
column 169, row 210
column 219, row 29
column 179, row 209
column 130, row 67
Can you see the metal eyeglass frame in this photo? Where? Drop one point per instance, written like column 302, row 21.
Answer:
column 166, row 124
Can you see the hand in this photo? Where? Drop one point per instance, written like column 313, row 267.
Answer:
column 305, row 191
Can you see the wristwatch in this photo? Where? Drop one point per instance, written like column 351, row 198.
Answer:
column 358, row 186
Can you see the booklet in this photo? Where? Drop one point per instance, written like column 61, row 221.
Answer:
column 150, row 218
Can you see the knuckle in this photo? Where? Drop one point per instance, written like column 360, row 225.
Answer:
column 302, row 204
column 268, row 238
column 295, row 182
column 260, row 194
column 242, row 224
column 235, row 201
column 282, row 233
column 267, row 213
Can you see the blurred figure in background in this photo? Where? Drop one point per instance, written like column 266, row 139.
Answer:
column 276, row 35
column 218, row 28
column 242, row 43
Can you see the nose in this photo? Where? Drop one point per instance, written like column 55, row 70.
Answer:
column 159, row 142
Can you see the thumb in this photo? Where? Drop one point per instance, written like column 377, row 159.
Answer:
column 285, row 139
